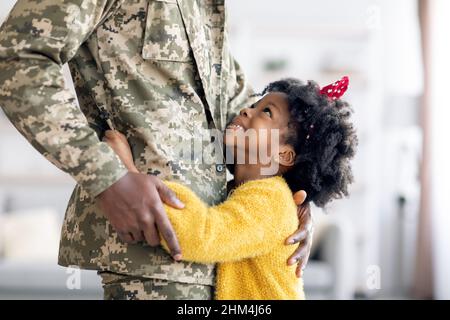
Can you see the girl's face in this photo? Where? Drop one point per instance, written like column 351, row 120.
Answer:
column 254, row 127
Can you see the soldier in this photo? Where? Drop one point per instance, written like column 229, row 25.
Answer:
column 161, row 72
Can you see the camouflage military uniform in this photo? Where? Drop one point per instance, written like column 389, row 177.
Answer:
column 164, row 72
column 126, row 287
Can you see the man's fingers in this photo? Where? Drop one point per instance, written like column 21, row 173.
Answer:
column 151, row 235
column 299, row 197
column 162, row 221
column 126, row 237
column 298, row 236
column 165, row 228
column 169, row 197
column 137, row 235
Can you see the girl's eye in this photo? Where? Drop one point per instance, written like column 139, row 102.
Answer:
column 268, row 112
column 252, row 106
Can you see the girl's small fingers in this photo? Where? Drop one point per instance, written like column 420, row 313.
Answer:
column 293, row 261
column 109, row 133
column 304, row 217
column 298, row 236
column 114, row 134
column 297, row 256
column 304, row 262
column 126, row 237
column 299, row 272
column 301, row 265
column 299, row 197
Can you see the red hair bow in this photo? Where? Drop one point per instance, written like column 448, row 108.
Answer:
column 337, row 89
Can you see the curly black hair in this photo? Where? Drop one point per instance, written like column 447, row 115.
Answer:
column 323, row 137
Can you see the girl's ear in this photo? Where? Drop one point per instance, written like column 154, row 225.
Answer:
column 286, row 156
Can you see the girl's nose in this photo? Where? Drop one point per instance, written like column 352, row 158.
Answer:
column 245, row 112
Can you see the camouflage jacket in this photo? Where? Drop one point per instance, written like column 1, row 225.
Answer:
column 163, row 70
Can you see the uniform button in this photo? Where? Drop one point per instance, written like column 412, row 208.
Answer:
column 219, row 167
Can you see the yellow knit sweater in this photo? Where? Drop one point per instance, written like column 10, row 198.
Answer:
column 245, row 235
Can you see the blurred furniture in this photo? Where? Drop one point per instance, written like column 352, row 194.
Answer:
column 45, row 280
column 28, row 260
column 331, row 270
column 33, row 198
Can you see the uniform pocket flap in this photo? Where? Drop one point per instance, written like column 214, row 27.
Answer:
column 165, row 34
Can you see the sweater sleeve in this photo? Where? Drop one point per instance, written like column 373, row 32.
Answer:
column 257, row 217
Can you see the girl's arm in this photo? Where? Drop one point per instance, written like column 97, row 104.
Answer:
column 255, row 219
column 119, row 143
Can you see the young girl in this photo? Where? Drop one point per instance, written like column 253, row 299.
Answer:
column 245, row 234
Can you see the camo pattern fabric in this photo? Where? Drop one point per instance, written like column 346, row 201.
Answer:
column 162, row 69
column 124, row 287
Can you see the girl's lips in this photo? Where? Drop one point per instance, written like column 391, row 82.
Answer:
column 234, row 126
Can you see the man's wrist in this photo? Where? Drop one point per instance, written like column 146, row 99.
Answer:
column 129, row 164
column 106, row 169
column 133, row 169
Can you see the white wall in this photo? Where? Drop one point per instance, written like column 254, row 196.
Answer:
column 378, row 44
column 5, row 7
column 440, row 148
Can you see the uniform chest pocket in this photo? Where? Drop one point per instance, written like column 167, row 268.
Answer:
column 165, row 34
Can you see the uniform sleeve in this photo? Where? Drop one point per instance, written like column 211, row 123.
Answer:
column 254, row 220
column 37, row 38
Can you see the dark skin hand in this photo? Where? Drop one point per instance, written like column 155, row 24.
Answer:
column 134, row 207
column 303, row 236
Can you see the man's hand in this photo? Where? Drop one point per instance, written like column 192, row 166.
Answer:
column 134, row 204
column 303, row 235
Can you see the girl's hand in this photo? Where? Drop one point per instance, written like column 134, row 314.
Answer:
column 119, row 143
column 303, row 235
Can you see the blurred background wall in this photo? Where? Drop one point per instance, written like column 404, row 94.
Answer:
column 388, row 239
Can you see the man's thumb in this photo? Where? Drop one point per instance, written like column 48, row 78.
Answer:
column 169, row 197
